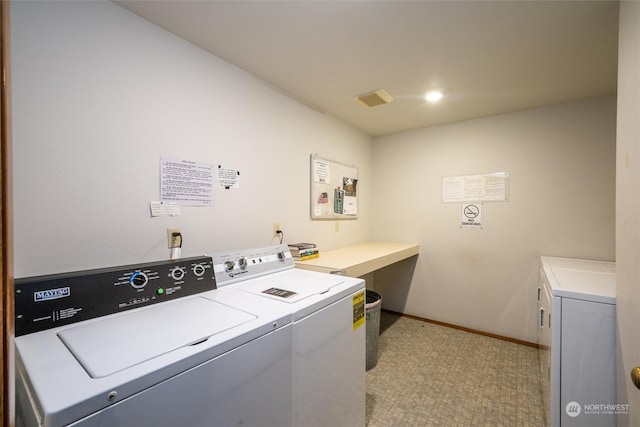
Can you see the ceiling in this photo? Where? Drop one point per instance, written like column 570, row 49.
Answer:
column 487, row 57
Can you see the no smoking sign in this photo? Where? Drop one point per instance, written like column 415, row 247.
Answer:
column 471, row 215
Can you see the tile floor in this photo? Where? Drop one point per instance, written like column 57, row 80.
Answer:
column 432, row 375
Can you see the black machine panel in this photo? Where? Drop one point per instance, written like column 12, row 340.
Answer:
column 45, row 302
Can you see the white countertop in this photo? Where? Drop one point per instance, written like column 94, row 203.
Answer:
column 360, row 259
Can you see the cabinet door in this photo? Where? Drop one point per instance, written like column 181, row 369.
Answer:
column 588, row 371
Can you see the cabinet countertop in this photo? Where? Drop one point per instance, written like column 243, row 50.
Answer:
column 358, row 260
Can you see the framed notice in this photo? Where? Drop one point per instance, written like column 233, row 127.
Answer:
column 489, row 187
column 334, row 189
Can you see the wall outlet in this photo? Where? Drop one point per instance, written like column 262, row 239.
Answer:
column 337, row 225
column 173, row 242
column 276, row 228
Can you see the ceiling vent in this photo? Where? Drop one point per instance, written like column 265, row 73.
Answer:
column 375, row 98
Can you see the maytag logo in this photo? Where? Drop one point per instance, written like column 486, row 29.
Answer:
column 50, row 294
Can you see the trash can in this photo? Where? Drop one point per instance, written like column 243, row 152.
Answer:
column 372, row 309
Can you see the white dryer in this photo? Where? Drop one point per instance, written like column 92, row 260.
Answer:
column 149, row 345
column 328, row 317
column 577, row 342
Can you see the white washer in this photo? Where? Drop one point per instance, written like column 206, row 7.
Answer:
column 328, row 315
column 199, row 357
column 577, row 341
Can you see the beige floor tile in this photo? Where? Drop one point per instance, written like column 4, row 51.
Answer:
column 432, row 375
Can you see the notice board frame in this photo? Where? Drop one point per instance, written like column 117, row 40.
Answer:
column 334, row 189
column 485, row 187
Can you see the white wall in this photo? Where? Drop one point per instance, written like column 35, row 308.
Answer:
column 561, row 161
column 99, row 95
column 628, row 209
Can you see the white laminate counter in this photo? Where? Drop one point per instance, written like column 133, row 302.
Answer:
column 361, row 259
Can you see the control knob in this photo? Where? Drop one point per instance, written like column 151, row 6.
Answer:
column 228, row 265
column 281, row 256
column 198, row 270
column 242, row 263
column 177, row 273
column 139, row 280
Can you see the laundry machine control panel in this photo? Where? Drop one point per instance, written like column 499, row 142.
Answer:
column 236, row 265
column 45, row 302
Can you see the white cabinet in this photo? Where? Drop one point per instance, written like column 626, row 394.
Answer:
column 577, row 342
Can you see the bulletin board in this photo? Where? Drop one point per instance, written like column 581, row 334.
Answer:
column 334, row 189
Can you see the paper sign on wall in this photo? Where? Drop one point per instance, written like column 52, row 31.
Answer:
column 228, row 178
column 164, row 209
column 471, row 215
column 186, row 182
column 489, row 187
column 321, row 170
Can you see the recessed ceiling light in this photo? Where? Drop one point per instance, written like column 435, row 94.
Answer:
column 433, row 96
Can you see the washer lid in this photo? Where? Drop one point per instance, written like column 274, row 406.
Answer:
column 291, row 286
column 107, row 346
